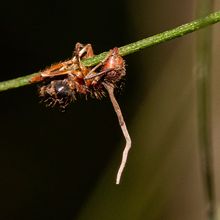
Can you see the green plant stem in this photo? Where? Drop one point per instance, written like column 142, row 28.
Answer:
column 130, row 48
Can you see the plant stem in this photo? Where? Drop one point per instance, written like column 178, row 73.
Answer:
column 203, row 72
column 130, row 48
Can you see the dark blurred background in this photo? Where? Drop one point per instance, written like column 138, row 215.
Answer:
column 50, row 161
column 57, row 165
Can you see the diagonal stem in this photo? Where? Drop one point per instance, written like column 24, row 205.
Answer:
column 130, row 48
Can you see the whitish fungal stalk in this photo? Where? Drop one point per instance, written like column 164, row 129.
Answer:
column 110, row 89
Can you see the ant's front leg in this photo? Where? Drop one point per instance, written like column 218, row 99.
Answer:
column 113, row 67
column 92, row 74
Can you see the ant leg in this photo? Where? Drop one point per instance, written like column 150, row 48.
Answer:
column 82, row 52
column 37, row 78
column 77, row 49
column 76, row 52
column 91, row 73
column 96, row 74
column 81, row 49
column 110, row 89
column 89, row 51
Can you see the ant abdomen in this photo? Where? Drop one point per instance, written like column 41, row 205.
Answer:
column 61, row 88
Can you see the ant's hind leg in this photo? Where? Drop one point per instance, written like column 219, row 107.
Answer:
column 89, row 51
column 82, row 52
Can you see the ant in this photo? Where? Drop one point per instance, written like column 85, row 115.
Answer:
column 63, row 81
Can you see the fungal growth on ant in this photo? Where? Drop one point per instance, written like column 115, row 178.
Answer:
column 112, row 71
column 62, row 82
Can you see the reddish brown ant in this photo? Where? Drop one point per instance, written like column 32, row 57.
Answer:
column 63, row 81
